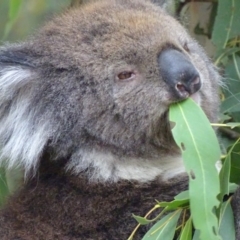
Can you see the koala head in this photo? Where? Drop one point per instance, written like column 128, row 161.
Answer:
column 94, row 86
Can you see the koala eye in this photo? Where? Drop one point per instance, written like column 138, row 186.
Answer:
column 126, row 75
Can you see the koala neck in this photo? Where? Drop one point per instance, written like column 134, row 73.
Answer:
column 71, row 207
column 105, row 166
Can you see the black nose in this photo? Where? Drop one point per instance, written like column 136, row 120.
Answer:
column 179, row 73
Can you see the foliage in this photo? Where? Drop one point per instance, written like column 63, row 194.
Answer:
column 20, row 18
column 14, row 6
column 4, row 190
column 209, row 213
column 226, row 37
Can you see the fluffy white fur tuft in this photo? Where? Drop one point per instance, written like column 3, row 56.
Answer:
column 21, row 139
column 108, row 167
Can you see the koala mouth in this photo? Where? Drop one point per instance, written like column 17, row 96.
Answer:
column 187, row 87
column 196, row 98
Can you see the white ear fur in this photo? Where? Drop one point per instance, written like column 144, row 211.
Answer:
column 11, row 79
column 22, row 138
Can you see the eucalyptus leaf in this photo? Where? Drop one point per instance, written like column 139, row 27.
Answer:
column 224, row 176
column 14, row 6
column 165, row 228
column 233, row 187
column 224, row 57
column 226, row 222
column 141, row 220
column 175, row 204
column 3, row 186
column 182, row 196
column 231, row 104
column 186, row 233
column 200, row 150
column 233, row 124
column 234, row 155
column 181, row 200
column 226, row 24
column 232, row 74
column 196, row 235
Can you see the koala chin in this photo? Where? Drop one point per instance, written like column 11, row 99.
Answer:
column 84, row 111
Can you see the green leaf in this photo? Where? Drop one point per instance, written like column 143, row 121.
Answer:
column 226, row 222
column 165, row 228
column 186, row 233
column 225, row 54
column 233, row 187
column 200, row 150
column 232, row 73
column 3, row 187
column 141, row 220
column 224, row 176
column 231, row 104
column 175, row 204
column 14, row 6
column 233, row 124
column 182, row 196
column 181, row 200
column 226, row 24
column 234, row 155
column 196, row 235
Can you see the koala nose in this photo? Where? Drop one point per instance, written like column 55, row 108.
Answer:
column 179, row 73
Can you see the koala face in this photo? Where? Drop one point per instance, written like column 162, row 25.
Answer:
column 94, row 87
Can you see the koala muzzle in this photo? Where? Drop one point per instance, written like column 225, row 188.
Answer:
column 179, row 73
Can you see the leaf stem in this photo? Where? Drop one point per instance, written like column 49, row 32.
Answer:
column 136, row 228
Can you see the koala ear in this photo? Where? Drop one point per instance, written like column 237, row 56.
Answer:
column 22, row 134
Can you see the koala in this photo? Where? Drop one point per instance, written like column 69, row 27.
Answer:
column 84, row 111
